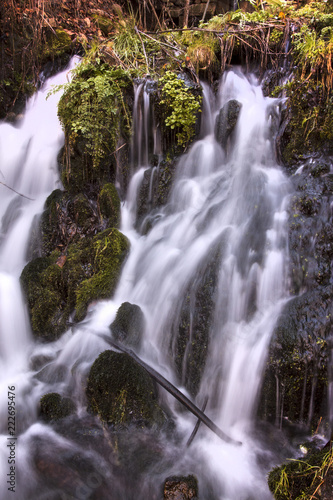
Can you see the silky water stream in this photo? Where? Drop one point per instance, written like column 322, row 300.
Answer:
column 230, row 203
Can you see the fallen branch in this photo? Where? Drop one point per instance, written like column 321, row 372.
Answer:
column 174, row 391
column 20, row 194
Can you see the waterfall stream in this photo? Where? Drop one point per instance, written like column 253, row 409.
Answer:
column 227, row 203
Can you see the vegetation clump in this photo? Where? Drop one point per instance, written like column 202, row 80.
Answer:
column 92, row 107
column 180, row 106
column 306, row 478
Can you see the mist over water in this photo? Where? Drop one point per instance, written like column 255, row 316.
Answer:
column 231, row 201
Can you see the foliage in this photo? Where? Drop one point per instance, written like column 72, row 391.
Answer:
column 301, row 479
column 131, row 48
column 181, row 106
column 92, row 104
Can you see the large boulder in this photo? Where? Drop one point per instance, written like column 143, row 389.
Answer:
column 60, row 284
column 122, row 393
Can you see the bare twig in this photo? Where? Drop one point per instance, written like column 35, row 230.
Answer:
column 20, row 194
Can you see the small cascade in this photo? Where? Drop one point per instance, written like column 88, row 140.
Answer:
column 227, row 211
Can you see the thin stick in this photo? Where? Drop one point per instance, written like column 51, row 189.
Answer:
column 20, row 194
column 174, row 391
column 143, row 46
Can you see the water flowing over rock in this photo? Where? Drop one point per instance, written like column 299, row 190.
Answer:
column 196, row 280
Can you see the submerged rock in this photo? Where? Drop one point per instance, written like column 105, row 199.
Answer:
column 128, row 326
column 181, row 488
column 122, row 393
column 226, row 121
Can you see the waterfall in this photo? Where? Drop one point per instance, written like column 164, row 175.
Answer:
column 228, row 203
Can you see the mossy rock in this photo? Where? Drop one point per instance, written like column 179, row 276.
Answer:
column 54, row 407
column 302, row 478
column 66, row 219
column 96, row 264
column 109, row 204
column 45, row 291
column 128, row 326
column 58, row 44
column 58, row 285
column 122, row 393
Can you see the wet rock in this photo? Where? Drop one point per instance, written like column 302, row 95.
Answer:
column 296, row 377
column 54, row 407
column 58, row 285
column 226, row 121
column 181, row 488
column 192, row 324
column 122, row 393
column 128, row 326
column 67, row 219
column 109, row 205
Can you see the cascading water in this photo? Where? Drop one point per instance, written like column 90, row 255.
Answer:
column 229, row 201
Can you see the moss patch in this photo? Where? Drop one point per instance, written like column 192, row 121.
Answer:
column 109, row 204
column 121, row 392
column 57, row 285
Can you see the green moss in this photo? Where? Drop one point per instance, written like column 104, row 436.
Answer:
column 121, row 392
column 94, row 269
column 58, row 43
column 54, row 289
column 300, row 479
column 93, row 108
column 109, row 204
column 180, row 105
column 55, row 407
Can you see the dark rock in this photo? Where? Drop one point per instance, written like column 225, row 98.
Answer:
column 55, row 407
column 296, row 376
column 226, row 121
column 192, row 324
column 128, row 326
column 122, row 393
column 181, row 488
column 109, row 204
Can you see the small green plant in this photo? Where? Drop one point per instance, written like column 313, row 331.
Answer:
column 181, row 107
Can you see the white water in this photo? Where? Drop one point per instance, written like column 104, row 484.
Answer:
column 235, row 199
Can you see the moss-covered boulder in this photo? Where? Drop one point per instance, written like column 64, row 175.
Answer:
column 122, row 393
column 60, row 284
column 308, row 477
column 45, row 291
column 128, row 326
column 54, row 407
column 181, row 488
column 109, row 204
